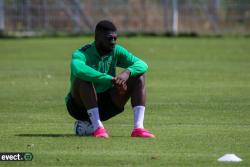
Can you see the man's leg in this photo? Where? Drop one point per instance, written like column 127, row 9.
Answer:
column 84, row 94
column 138, row 100
column 137, row 91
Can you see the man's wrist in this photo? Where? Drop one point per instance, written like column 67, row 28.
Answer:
column 128, row 72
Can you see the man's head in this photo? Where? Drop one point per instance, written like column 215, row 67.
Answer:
column 105, row 36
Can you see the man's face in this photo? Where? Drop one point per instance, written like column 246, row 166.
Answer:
column 107, row 41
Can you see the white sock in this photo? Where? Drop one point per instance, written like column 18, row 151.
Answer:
column 138, row 116
column 94, row 117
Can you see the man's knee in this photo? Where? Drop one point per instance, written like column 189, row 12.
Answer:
column 80, row 86
column 138, row 81
column 84, row 92
column 78, row 83
column 141, row 79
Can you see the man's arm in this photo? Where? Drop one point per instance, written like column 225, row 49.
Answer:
column 86, row 73
column 130, row 62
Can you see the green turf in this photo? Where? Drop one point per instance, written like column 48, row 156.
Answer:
column 198, row 104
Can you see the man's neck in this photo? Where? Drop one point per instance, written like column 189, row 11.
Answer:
column 101, row 51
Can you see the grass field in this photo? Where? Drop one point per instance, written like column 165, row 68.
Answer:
column 198, row 104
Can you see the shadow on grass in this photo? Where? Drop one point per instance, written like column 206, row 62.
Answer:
column 47, row 135
column 56, row 135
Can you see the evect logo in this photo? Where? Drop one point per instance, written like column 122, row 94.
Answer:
column 16, row 156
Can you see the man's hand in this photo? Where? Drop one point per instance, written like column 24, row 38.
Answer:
column 120, row 81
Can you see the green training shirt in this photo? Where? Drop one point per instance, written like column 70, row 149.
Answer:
column 88, row 65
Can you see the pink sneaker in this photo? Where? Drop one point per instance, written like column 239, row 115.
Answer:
column 140, row 132
column 100, row 133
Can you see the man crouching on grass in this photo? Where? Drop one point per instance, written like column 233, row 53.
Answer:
column 97, row 93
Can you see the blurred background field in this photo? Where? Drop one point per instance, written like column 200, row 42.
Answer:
column 198, row 104
column 172, row 17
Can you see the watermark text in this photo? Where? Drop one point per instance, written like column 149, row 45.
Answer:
column 16, row 156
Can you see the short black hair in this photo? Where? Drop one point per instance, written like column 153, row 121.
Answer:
column 105, row 26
